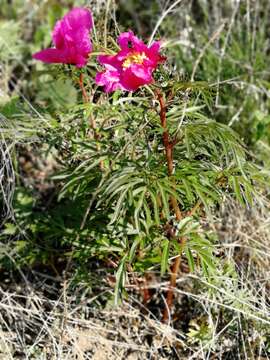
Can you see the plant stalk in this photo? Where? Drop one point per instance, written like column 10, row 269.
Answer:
column 169, row 146
column 84, row 93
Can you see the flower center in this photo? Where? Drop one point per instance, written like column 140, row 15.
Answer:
column 134, row 58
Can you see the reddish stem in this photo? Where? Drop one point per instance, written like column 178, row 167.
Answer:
column 169, row 297
column 169, row 146
column 84, row 93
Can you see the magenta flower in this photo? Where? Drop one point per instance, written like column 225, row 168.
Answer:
column 71, row 39
column 131, row 67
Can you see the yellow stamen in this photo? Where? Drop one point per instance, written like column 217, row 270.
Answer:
column 134, row 58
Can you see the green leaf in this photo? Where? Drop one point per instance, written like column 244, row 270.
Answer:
column 118, row 206
column 138, row 207
column 120, row 280
column 10, row 229
column 165, row 256
column 190, row 259
column 165, row 201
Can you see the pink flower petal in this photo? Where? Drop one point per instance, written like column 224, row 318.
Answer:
column 79, row 61
column 50, row 56
column 142, row 72
column 109, row 61
column 132, row 79
column 58, row 36
column 124, row 39
column 108, row 79
column 155, row 47
column 129, row 41
column 82, row 42
column 77, row 18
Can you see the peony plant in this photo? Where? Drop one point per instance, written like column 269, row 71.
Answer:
column 155, row 166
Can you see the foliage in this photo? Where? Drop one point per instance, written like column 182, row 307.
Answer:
column 114, row 176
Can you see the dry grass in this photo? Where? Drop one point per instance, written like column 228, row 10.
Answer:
column 227, row 317
column 7, row 177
